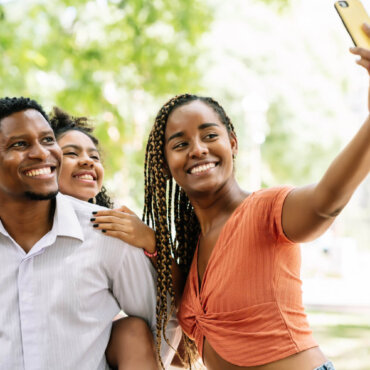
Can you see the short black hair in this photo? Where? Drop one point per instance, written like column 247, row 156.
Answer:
column 8, row 106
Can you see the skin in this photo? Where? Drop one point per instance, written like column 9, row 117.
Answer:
column 195, row 137
column 82, row 173
column 27, row 144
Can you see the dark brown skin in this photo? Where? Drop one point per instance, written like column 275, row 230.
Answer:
column 131, row 345
column 27, row 143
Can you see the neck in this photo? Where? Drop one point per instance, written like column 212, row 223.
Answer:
column 215, row 208
column 27, row 221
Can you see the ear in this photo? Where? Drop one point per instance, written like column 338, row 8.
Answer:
column 233, row 143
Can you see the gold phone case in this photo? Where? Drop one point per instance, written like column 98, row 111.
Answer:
column 353, row 16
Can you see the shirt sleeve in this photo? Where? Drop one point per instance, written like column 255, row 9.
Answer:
column 277, row 212
column 134, row 286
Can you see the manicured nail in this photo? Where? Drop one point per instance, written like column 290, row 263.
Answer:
column 94, row 213
column 104, row 231
column 95, row 225
column 92, row 219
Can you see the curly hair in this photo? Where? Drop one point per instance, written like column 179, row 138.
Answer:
column 8, row 106
column 61, row 122
column 167, row 208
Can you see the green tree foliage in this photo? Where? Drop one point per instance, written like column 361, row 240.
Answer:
column 104, row 59
column 116, row 61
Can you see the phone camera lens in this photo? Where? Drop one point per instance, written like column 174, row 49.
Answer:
column 343, row 4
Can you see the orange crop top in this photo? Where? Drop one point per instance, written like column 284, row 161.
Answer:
column 249, row 305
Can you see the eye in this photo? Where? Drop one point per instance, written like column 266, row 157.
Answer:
column 48, row 140
column 19, row 144
column 211, row 136
column 71, row 154
column 180, row 145
column 95, row 158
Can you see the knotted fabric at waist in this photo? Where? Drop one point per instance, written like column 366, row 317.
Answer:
column 250, row 336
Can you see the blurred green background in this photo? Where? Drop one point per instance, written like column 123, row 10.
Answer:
column 280, row 68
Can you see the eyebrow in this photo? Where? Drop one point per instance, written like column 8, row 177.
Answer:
column 77, row 147
column 200, row 127
column 24, row 136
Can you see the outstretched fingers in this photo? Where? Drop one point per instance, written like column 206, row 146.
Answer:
column 363, row 53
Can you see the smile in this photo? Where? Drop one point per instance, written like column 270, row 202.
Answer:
column 202, row 168
column 38, row 172
column 85, row 177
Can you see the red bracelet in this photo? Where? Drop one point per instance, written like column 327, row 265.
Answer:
column 150, row 255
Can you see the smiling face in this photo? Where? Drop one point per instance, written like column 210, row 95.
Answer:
column 198, row 148
column 29, row 157
column 82, row 173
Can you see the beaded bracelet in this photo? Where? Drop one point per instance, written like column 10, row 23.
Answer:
column 151, row 255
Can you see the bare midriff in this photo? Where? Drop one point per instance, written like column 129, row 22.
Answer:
column 305, row 360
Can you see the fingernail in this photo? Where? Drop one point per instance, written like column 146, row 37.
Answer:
column 94, row 213
column 95, row 225
column 104, row 231
column 92, row 219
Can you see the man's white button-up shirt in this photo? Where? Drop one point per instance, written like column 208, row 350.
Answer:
column 58, row 300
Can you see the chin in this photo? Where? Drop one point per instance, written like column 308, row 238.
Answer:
column 41, row 196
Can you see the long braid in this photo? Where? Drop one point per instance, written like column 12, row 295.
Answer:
column 166, row 204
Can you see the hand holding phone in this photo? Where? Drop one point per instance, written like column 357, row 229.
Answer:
column 353, row 15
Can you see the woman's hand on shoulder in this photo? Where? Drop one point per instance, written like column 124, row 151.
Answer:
column 124, row 224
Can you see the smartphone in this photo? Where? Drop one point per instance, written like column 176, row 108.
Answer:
column 353, row 15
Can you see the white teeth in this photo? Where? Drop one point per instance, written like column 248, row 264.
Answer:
column 40, row 171
column 202, row 168
column 85, row 177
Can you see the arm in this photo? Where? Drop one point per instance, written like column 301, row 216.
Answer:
column 310, row 210
column 134, row 288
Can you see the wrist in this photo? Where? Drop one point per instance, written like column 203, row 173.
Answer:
column 150, row 246
column 150, row 255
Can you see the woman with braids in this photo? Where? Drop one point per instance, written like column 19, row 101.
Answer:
column 81, row 177
column 241, row 307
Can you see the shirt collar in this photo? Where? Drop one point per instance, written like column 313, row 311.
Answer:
column 65, row 221
column 2, row 229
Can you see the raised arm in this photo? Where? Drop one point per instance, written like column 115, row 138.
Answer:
column 310, row 210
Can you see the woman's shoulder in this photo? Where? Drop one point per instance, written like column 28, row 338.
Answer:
column 265, row 200
column 268, row 196
column 273, row 192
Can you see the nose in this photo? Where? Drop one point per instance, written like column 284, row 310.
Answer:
column 198, row 149
column 39, row 151
column 86, row 161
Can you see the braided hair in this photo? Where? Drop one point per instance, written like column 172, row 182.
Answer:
column 61, row 122
column 167, row 208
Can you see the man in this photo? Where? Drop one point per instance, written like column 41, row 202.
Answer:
column 62, row 282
